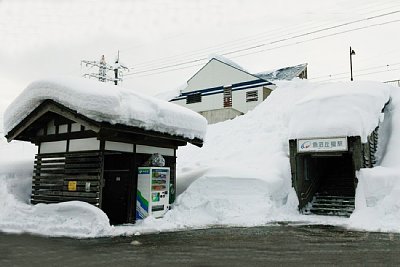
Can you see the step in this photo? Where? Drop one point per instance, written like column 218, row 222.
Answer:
column 334, row 201
column 340, row 213
column 329, row 205
column 334, row 197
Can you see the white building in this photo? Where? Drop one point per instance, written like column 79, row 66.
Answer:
column 222, row 90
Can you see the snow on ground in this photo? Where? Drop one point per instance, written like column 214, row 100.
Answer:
column 107, row 103
column 241, row 177
column 75, row 219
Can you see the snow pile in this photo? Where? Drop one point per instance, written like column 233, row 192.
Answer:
column 339, row 109
column 107, row 103
column 74, row 219
column 16, row 158
column 241, row 176
column 377, row 200
column 378, row 190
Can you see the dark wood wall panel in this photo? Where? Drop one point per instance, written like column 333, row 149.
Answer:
column 53, row 174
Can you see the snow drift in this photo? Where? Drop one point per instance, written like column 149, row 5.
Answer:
column 241, row 176
column 74, row 218
column 339, row 109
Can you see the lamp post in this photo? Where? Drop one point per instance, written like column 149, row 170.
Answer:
column 352, row 52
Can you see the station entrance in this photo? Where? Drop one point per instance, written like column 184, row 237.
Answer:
column 332, row 175
column 324, row 174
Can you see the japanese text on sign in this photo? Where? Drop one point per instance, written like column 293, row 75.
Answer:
column 322, row 144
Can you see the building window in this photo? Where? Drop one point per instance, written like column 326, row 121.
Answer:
column 227, row 97
column 193, row 98
column 251, row 96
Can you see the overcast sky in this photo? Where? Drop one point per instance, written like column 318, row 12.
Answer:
column 165, row 41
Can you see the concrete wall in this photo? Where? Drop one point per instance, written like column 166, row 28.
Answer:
column 218, row 115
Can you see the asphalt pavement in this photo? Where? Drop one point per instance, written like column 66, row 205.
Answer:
column 277, row 245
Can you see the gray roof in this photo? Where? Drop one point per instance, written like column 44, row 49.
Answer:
column 287, row 73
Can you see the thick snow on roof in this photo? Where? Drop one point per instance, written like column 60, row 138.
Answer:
column 226, row 61
column 339, row 109
column 107, row 103
column 287, row 73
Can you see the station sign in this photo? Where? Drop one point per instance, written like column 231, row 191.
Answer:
column 322, row 144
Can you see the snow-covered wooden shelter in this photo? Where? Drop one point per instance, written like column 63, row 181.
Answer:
column 223, row 90
column 92, row 138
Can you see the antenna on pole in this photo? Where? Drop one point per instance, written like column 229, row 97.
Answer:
column 104, row 68
column 118, row 70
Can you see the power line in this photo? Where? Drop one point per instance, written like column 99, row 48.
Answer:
column 147, row 64
column 362, row 74
column 160, row 72
column 259, row 51
column 342, row 73
column 322, row 37
column 284, row 40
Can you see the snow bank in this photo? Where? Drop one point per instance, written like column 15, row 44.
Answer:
column 74, row 219
column 378, row 190
column 339, row 109
column 377, row 200
column 107, row 103
column 241, row 176
column 16, row 158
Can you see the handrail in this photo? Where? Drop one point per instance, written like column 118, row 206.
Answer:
column 306, row 194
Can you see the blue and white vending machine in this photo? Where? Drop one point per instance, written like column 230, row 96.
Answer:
column 152, row 197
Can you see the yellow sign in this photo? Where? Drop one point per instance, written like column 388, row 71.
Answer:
column 72, row 186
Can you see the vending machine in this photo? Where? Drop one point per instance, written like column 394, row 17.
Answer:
column 152, row 196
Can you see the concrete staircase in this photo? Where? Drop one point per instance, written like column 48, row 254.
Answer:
column 330, row 205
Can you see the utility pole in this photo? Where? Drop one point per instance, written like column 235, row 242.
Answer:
column 117, row 67
column 104, row 68
column 352, row 53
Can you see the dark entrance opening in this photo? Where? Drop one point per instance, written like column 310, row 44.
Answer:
column 333, row 175
column 119, row 187
column 326, row 183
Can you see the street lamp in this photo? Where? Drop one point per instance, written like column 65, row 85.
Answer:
column 352, row 52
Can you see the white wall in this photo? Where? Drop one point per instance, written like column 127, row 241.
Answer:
column 218, row 115
column 84, row 144
column 216, row 73
column 216, row 101
column 239, row 99
column 207, row 103
column 118, row 146
column 75, row 127
column 53, row 147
